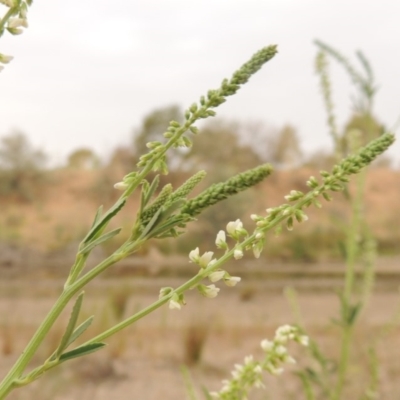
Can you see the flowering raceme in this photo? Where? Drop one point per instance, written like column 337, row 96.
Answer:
column 249, row 374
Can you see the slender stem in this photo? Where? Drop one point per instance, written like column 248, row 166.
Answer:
column 113, row 259
column 8, row 383
column 193, row 282
column 351, row 258
column 6, row 17
column 347, row 335
column 16, row 371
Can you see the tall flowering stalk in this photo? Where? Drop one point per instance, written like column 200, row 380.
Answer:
column 166, row 215
column 359, row 246
column 158, row 217
column 249, row 375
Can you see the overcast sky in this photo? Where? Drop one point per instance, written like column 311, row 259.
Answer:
column 86, row 72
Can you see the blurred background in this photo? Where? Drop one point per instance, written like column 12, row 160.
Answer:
column 92, row 82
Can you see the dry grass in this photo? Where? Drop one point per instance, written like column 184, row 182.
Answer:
column 194, row 341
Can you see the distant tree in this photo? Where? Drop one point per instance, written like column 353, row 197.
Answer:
column 286, row 151
column 219, row 149
column 123, row 160
column 21, row 166
column 321, row 159
column 363, row 125
column 83, row 159
column 281, row 147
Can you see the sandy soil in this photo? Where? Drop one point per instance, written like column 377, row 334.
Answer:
column 144, row 361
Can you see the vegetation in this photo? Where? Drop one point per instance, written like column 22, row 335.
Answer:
column 165, row 210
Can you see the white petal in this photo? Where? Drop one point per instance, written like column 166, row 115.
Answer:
column 232, row 281
column 238, row 254
column 194, row 255
column 216, row 275
column 174, row 305
column 120, row 186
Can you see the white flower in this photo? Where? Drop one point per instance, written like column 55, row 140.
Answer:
column 234, row 226
column 304, row 340
column 194, row 255
column 257, row 369
column 290, row 360
column 216, row 275
column 177, row 301
column 259, row 235
column 23, row 12
column 17, row 22
column 280, row 350
column 5, row 59
column 221, row 240
column 232, row 280
column 238, row 253
column 206, row 259
column 173, row 304
column 15, row 31
column 267, row 345
column 274, row 370
column 209, row 291
column 284, row 333
column 121, row 185
column 164, row 291
column 8, row 3
column 284, row 330
column 248, row 359
column 257, row 248
column 212, row 262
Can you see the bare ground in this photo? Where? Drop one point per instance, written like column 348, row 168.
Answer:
column 144, row 361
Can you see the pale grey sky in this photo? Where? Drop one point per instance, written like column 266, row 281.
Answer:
column 86, row 72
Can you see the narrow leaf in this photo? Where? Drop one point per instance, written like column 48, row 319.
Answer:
column 151, row 224
column 81, row 351
column 79, row 330
column 171, row 208
column 97, row 216
column 100, row 240
column 153, row 187
column 101, row 223
column 71, row 325
column 171, row 223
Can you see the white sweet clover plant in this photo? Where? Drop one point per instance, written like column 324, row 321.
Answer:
column 166, row 215
column 250, row 374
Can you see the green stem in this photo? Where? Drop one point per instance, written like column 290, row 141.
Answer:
column 6, row 17
column 10, row 381
column 191, row 283
column 113, row 259
column 352, row 248
column 16, row 371
column 344, row 359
